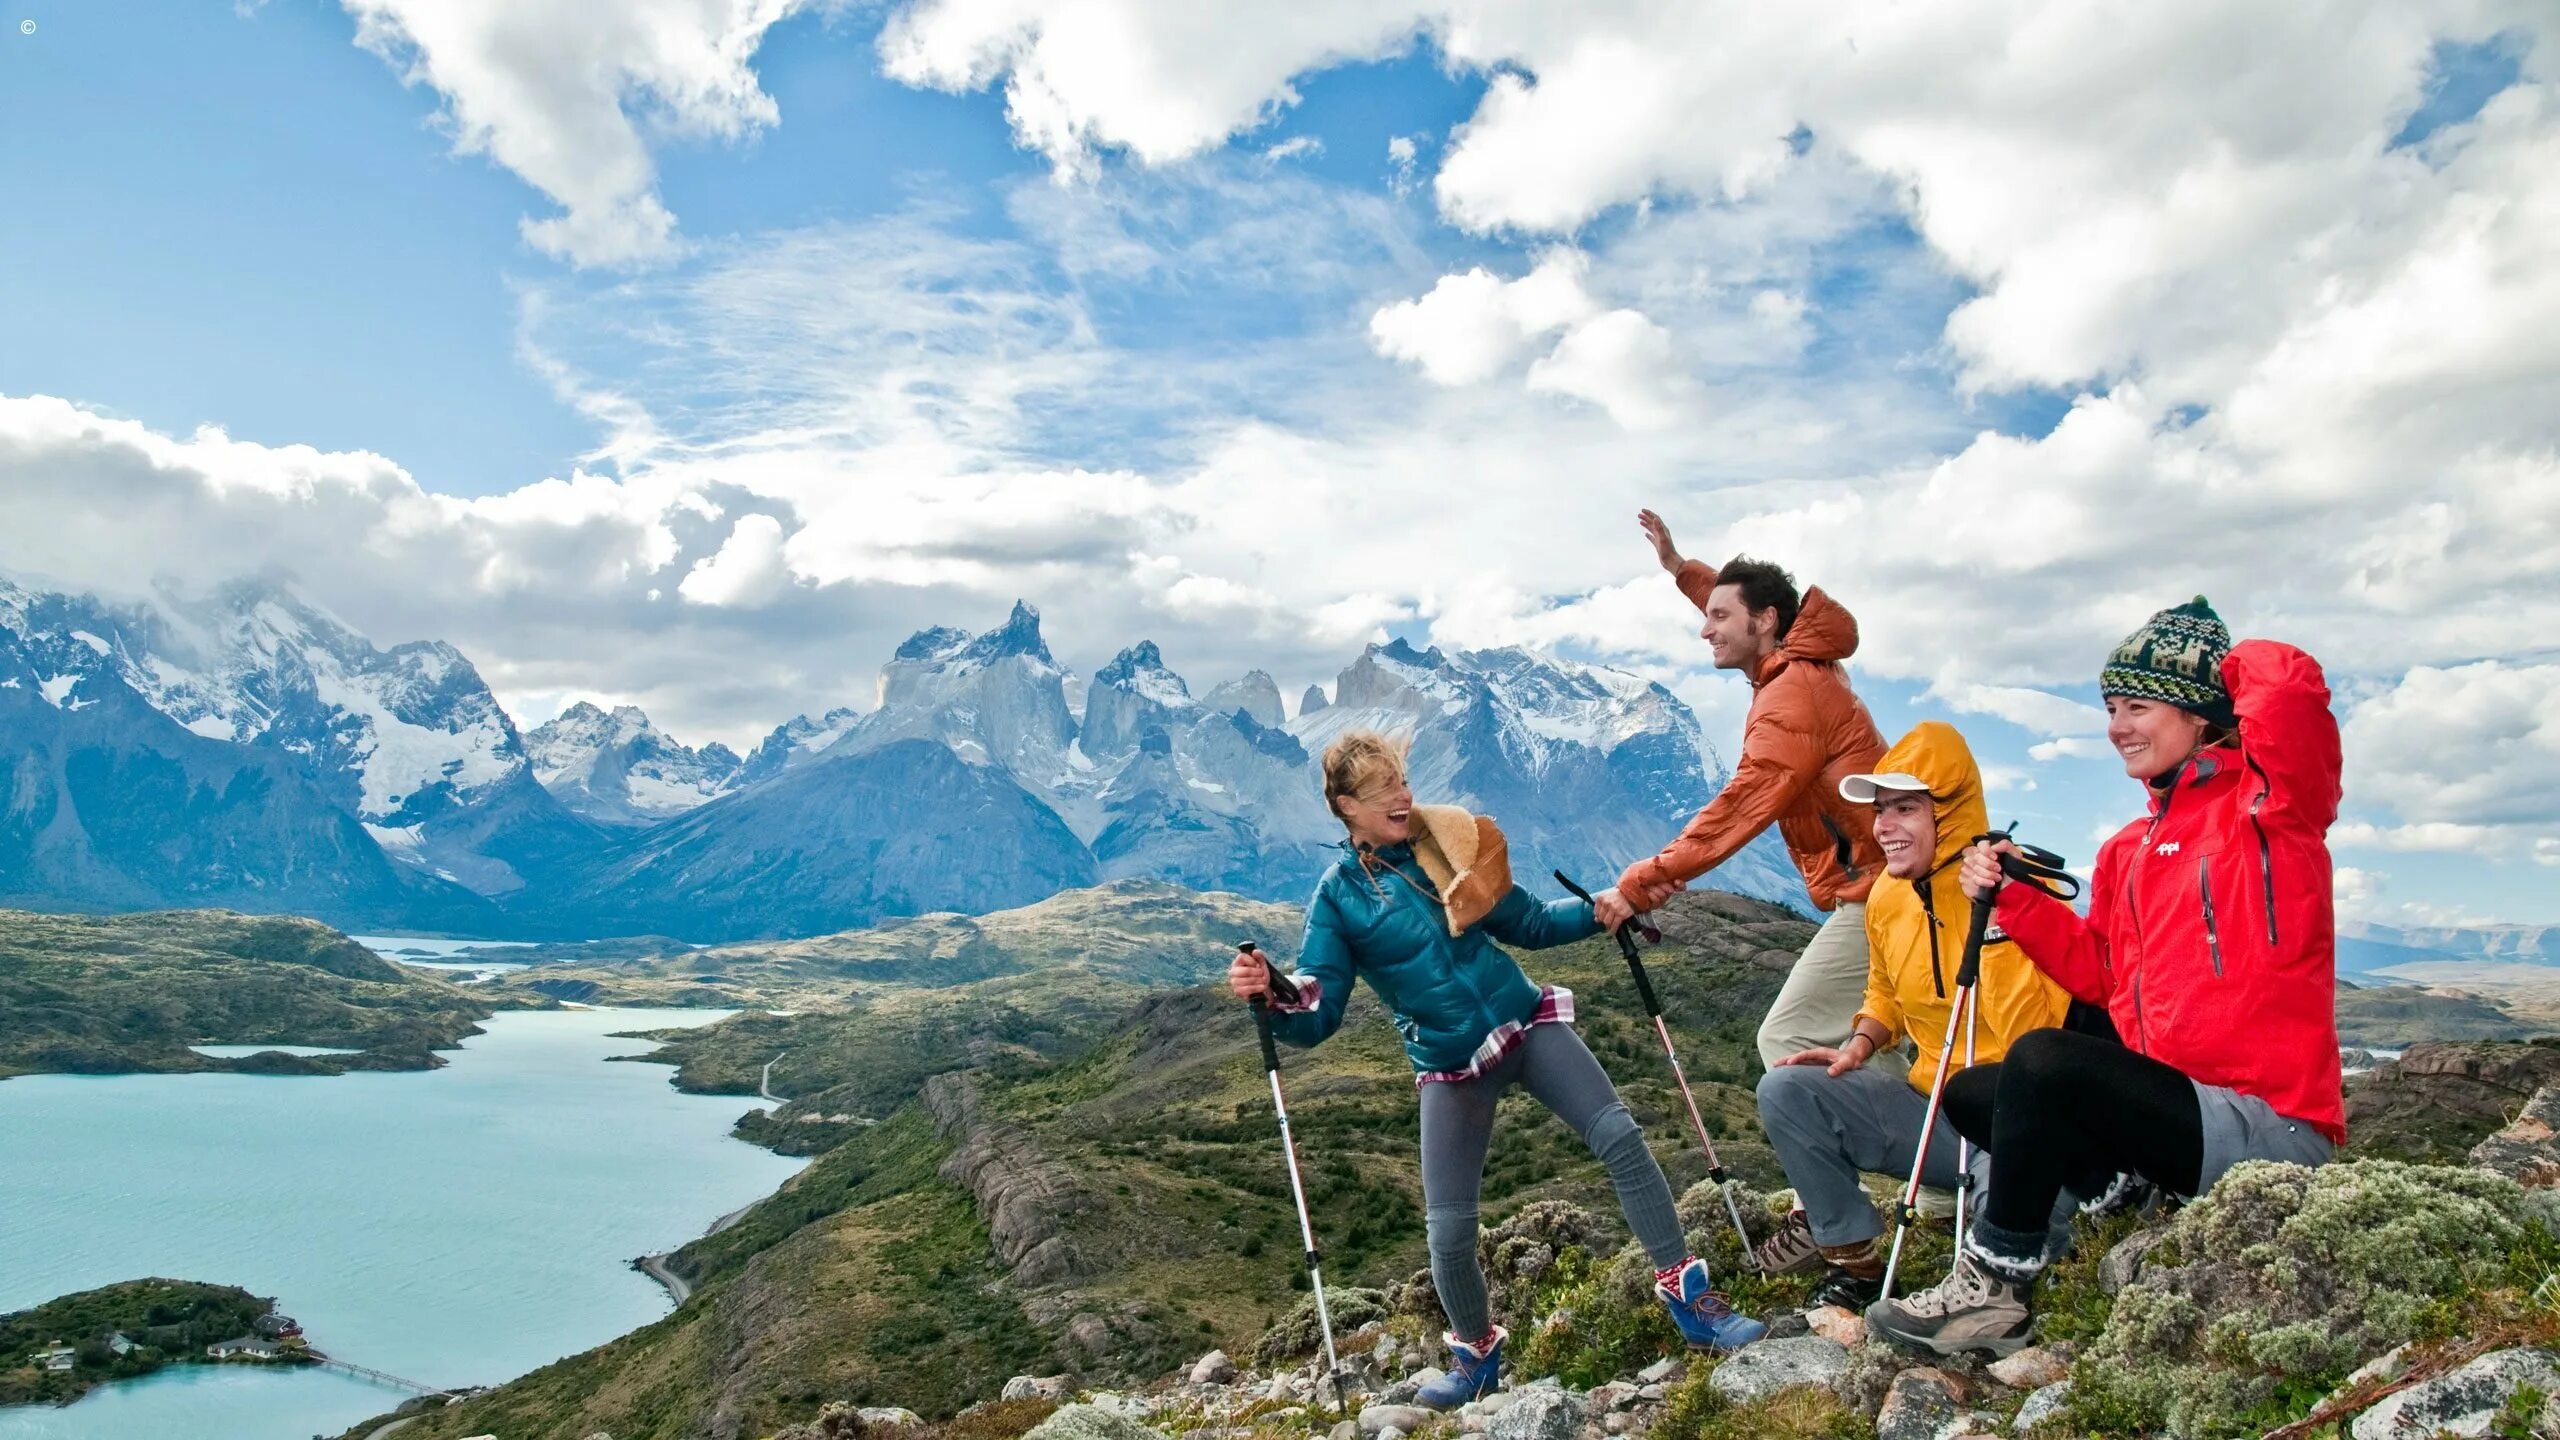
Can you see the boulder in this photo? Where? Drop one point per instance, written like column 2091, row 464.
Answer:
column 1539, row 1413
column 1756, row 1372
column 1087, row 1422
column 2042, row 1407
column 1917, row 1406
column 1344, row 1430
column 1405, row 1418
column 889, row 1417
column 2033, row 1368
column 2122, row 1265
column 2466, row 1401
column 1034, row 1387
column 1213, row 1368
column 1297, row 1333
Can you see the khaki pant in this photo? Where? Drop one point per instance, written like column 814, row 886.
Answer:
column 1823, row 991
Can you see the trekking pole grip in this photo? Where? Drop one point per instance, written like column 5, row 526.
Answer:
column 1969, row 969
column 1262, row 1027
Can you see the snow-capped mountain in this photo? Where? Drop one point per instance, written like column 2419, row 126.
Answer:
column 1587, row 768
column 245, row 748
column 407, row 740
column 619, row 769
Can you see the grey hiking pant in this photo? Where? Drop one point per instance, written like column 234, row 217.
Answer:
column 1457, row 1129
column 1827, row 1129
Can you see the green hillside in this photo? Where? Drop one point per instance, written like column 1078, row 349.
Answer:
column 1104, row 1196
column 89, row 994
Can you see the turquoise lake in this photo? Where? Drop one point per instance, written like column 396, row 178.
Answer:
column 457, row 1226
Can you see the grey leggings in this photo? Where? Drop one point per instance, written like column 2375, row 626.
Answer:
column 1457, row 1127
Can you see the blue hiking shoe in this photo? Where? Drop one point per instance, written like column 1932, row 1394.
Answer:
column 1472, row 1374
column 1705, row 1317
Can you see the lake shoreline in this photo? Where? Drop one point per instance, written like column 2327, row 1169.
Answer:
column 336, row 1200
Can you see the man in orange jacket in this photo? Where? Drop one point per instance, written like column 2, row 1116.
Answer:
column 1806, row 732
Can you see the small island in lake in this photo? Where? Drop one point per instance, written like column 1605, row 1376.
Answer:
column 63, row 1349
column 124, row 994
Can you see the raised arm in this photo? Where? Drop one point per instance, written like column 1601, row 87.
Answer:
column 1778, row 762
column 2287, row 730
column 2062, row 943
column 1520, row 919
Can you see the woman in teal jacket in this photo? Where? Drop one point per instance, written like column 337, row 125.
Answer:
column 1473, row 1026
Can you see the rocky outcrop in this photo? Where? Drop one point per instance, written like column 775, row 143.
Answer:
column 2528, row 1150
column 2437, row 1101
column 1024, row 1197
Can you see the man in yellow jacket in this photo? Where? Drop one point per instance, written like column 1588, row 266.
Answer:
column 1829, row 1115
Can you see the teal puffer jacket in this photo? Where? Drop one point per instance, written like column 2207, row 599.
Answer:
column 1384, row 924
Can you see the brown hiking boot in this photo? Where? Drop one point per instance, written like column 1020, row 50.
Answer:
column 1976, row 1308
column 1790, row 1249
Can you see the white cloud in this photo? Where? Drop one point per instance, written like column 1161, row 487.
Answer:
column 2072, row 747
column 748, row 571
column 2029, row 709
column 2467, row 757
column 1474, row 326
column 560, row 94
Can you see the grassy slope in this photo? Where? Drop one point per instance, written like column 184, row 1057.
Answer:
column 872, row 1279
column 95, row 995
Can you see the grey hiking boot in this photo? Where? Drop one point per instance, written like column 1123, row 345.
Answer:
column 1977, row 1308
column 1789, row 1249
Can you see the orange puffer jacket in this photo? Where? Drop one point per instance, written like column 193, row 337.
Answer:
column 1807, row 731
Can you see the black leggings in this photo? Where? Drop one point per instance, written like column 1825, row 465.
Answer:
column 2069, row 1109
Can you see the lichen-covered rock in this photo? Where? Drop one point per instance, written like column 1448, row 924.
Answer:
column 2285, row 1270
column 1920, row 1402
column 886, row 1417
column 1034, row 1387
column 1297, row 1333
column 2122, row 1264
column 2043, row 1407
column 1756, row 1372
column 1539, row 1413
column 1833, row 1322
column 1087, row 1422
column 2528, row 1150
column 2468, row 1400
column 2032, row 1368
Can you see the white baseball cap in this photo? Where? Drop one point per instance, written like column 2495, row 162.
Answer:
column 1863, row 789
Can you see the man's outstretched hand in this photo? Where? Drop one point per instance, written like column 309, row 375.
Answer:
column 1660, row 535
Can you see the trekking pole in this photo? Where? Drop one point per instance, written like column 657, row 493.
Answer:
column 2043, row 869
column 1287, row 991
column 1653, row 1008
column 1908, row 1211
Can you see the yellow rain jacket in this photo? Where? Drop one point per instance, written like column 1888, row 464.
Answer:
column 1915, row 929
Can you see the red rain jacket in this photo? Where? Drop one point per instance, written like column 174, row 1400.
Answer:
column 2210, row 937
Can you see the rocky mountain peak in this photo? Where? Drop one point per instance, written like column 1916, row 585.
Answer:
column 1019, row 635
column 1255, row 693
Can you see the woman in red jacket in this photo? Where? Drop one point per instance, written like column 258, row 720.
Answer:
column 2209, row 939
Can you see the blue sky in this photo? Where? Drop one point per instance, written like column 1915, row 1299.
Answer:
column 1262, row 334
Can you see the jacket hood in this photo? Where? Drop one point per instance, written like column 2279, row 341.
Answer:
column 1935, row 753
column 1824, row 630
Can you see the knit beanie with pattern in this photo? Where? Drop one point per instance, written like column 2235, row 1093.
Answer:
column 2176, row 657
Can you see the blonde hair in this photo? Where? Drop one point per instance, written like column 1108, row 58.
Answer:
column 1358, row 759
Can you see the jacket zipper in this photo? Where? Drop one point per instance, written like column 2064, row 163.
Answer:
column 1928, row 911
column 2141, row 1031
column 2266, row 856
column 2204, row 888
